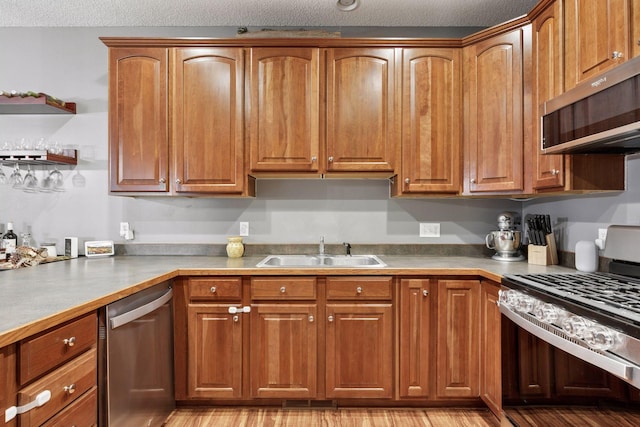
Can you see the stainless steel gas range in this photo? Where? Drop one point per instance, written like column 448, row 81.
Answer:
column 592, row 316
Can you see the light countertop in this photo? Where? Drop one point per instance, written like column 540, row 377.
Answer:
column 35, row 298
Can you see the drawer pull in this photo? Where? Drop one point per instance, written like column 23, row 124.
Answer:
column 283, row 290
column 41, row 398
column 70, row 389
column 236, row 318
column 359, row 289
column 311, row 319
column 425, row 293
column 70, row 342
column 330, row 318
column 213, row 289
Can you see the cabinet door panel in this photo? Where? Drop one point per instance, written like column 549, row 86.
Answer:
column 547, row 47
column 596, row 37
column 208, row 120
column 361, row 129
column 284, row 351
column 359, row 351
column 458, row 331
column 415, row 337
column 214, row 352
column 491, row 350
column 285, row 109
column 138, row 135
column 432, row 113
column 495, row 114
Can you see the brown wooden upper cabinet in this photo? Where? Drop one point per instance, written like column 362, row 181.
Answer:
column 206, row 131
column 285, row 109
column 208, row 120
column 431, row 121
column 361, row 129
column 138, row 122
column 597, row 37
column 494, row 113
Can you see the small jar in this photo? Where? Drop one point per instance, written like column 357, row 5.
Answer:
column 235, row 248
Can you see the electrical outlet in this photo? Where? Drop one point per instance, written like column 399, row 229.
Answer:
column 244, row 228
column 602, row 233
column 429, row 229
column 124, row 228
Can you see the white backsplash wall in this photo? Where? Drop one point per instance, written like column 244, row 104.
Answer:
column 71, row 64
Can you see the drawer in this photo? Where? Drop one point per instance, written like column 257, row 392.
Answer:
column 277, row 288
column 42, row 352
column 215, row 289
column 81, row 413
column 359, row 288
column 66, row 384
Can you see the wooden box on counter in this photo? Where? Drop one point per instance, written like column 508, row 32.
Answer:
column 544, row 255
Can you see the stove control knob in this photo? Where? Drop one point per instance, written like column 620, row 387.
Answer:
column 600, row 337
column 546, row 313
column 574, row 325
column 526, row 304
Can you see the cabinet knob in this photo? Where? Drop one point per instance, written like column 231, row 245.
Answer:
column 311, row 319
column 330, row 318
column 330, row 159
column 359, row 290
column 162, row 180
column 69, row 342
column 283, row 290
column 616, row 55
column 236, row 318
column 425, row 293
column 213, row 289
column 314, row 158
column 69, row 389
column 555, row 172
column 473, row 180
column 407, row 181
column 178, row 181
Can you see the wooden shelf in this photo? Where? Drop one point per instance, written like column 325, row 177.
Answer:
column 41, row 104
column 39, row 157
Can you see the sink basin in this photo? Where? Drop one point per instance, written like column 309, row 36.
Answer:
column 321, row 261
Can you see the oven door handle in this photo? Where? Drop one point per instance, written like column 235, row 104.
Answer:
column 141, row 311
column 609, row 363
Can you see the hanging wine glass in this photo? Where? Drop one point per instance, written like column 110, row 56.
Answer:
column 57, row 180
column 15, row 179
column 78, row 180
column 30, row 184
column 3, row 178
column 45, row 186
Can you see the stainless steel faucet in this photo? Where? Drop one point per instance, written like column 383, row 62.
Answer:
column 347, row 247
column 321, row 248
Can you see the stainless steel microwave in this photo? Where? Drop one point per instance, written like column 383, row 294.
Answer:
column 601, row 115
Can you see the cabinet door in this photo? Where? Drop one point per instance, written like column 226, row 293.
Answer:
column 596, row 37
column 359, row 351
column 535, row 363
column 208, row 120
column 7, row 382
column 431, row 117
column 138, row 135
column 214, row 365
column 285, row 109
column 457, row 341
column 362, row 133
column 494, row 108
column 415, row 337
column 576, row 378
column 284, row 347
column 491, row 351
column 548, row 169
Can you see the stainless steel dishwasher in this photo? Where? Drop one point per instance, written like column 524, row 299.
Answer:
column 136, row 370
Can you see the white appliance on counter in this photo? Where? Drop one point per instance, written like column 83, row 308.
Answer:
column 136, row 370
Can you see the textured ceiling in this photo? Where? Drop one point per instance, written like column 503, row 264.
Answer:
column 265, row 13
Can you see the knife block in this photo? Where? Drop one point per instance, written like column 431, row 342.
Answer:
column 544, row 255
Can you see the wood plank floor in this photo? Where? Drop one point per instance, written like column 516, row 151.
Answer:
column 342, row 417
column 573, row 416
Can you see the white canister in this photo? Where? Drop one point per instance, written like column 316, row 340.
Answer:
column 586, row 256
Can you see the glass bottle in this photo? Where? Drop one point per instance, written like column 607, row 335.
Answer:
column 9, row 240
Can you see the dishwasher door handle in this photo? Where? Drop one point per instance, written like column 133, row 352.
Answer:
column 141, row 311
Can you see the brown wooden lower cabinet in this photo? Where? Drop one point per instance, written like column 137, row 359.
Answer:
column 490, row 349
column 284, row 351
column 8, row 383
column 458, row 331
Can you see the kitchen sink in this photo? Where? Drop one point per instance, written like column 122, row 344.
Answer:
column 321, row 261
